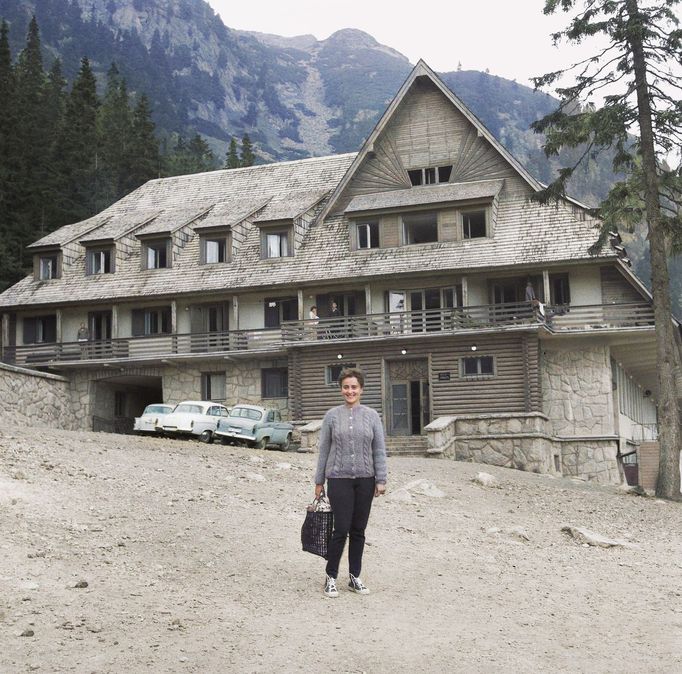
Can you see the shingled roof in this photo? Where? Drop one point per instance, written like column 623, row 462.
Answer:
column 526, row 234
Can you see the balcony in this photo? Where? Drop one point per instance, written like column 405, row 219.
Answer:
column 369, row 327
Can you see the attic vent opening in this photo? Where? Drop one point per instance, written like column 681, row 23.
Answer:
column 431, row 175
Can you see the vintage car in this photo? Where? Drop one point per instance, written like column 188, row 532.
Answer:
column 152, row 418
column 195, row 417
column 256, row 427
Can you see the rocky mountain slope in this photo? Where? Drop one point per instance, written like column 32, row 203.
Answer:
column 296, row 97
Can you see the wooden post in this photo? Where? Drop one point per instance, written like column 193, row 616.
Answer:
column 465, row 291
column 545, row 284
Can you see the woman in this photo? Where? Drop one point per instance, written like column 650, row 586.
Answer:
column 353, row 460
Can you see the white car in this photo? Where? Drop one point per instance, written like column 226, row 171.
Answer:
column 152, row 418
column 195, row 417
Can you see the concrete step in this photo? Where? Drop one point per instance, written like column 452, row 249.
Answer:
column 406, row 445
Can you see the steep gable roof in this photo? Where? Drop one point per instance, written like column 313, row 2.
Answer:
column 421, row 70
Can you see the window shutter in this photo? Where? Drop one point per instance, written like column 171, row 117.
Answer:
column 29, row 336
column 138, row 322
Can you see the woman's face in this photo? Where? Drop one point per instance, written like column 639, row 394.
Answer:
column 351, row 390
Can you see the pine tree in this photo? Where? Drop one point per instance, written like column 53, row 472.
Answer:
column 247, row 157
column 639, row 72
column 9, row 267
column 144, row 146
column 200, row 154
column 232, row 158
column 114, row 125
column 28, row 141
column 76, row 154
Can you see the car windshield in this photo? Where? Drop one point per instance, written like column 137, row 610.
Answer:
column 188, row 409
column 157, row 409
column 246, row 413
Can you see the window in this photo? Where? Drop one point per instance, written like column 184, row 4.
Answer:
column 215, row 249
column 474, row 224
column 420, row 228
column 156, row 255
column 213, row 386
column 477, row 366
column 99, row 261
column 48, row 267
column 559, row 289
column 276, row 243
column 431, row 175
column 274, row 382
column 152, row 321
column 280, row 309
column 40, row 329
column 332, row 372
column 368, row 235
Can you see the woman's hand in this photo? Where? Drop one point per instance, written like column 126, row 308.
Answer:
column 319, row 488
column 379, row 489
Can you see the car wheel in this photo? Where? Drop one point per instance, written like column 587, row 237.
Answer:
column 207, row 437
column 225, row 441
column 286, row 444
column 262, row 443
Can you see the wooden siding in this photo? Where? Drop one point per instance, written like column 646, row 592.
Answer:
column 615, row 289
column 514, row 388
column 390, row 231
column 448, row 225
column 426, row 130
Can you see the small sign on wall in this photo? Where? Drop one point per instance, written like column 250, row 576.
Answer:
column 443, row 376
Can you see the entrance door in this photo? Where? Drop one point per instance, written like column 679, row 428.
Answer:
column 409, row 401
column 208, row 324
column 99, row 324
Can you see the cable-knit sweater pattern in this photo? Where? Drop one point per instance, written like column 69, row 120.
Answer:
column 351, row 444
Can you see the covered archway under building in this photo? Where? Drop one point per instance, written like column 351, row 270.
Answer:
column 117, row 400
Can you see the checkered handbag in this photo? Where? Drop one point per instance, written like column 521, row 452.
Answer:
column 316, row 531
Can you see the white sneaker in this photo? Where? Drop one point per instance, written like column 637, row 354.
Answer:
column 330, row 587
column 356, row 585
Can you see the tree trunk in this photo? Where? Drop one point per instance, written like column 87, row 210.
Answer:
column 668, row 485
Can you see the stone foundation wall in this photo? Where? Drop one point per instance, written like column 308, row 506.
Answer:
column 577, row 392
column 38, row 398
column 593, row 460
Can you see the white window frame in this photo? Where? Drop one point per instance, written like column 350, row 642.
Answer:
column 276, row 243
column 469, row 211
column 479, row 374
column 153, row 254
column 48, row 267
column 407, row 227
column 371, row 234
column 213, row 386
column 97, row 261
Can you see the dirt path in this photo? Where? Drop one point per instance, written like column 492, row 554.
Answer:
column 192, row 561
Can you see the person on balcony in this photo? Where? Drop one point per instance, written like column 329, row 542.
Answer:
column 537, row 306
column 335, row 323
column 83, row 337
column 313, row 321
column 352, row 459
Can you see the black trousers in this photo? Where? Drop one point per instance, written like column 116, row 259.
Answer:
column 351, row 501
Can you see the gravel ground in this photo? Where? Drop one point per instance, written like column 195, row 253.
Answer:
column 126, row 554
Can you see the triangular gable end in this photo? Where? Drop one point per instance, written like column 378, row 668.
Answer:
column 424, row 107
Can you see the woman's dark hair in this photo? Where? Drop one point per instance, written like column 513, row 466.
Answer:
column 352, row 372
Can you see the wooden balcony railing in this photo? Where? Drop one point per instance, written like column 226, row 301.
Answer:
column 366, row 326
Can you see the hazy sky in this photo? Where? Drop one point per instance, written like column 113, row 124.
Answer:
column 511, row 38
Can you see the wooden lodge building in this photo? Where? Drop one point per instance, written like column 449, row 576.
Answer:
column 201, row 286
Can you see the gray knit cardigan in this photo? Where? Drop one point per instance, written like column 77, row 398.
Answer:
column 351, row 444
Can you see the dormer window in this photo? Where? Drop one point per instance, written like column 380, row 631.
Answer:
column 368, row 234
column 431, row 175
column 99, row 261
column 156, row 254
column 420, row 228
column 276, row 243
column 215, row 248
column 48, row 266
column 475, row 223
